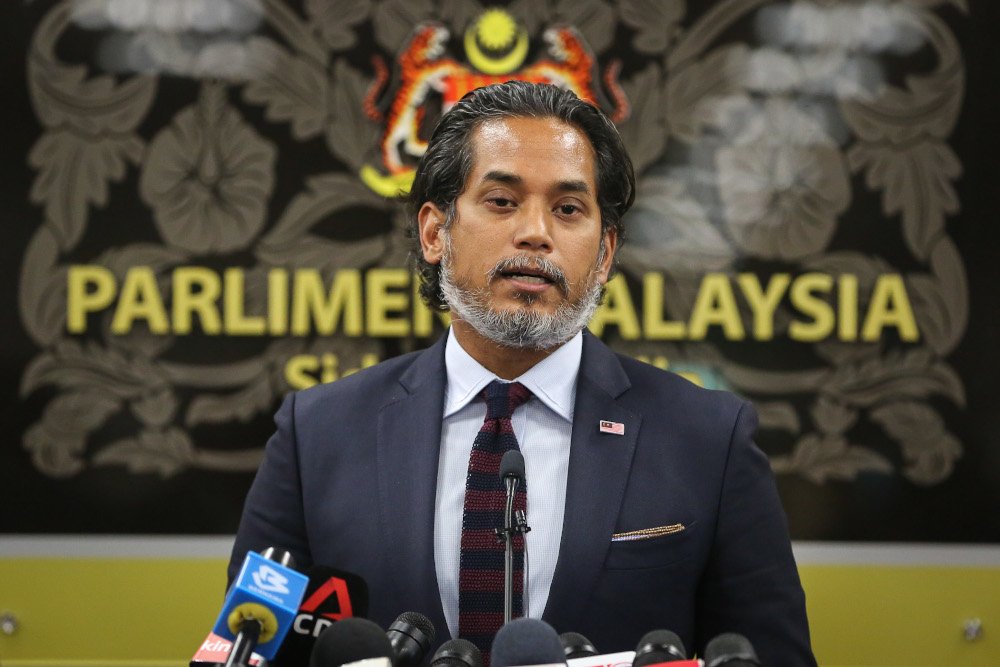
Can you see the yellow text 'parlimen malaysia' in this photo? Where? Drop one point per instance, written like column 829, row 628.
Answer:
column 383, row 303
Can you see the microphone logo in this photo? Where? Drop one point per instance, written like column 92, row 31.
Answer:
column 335, row 588
column 328, row 603
column 269, row 579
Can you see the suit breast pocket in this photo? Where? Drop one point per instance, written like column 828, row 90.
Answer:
column 653, row 547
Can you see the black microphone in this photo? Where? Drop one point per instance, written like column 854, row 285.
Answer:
column 351, row 640
column 576, row 645
column 511, row 472
column 457, row 653
column 411, row 636
column 732, row 650
column 512, row 465
column 658, row 646
column 330, row 596
column 527, row 641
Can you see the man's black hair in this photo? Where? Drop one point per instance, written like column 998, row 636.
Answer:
column 445, row 166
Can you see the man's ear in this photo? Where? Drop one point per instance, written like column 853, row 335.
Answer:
column 430, row 220
column 610, row 244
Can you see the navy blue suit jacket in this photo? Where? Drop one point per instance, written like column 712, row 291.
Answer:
column 348, row 480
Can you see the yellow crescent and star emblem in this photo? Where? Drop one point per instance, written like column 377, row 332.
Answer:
column 495, row 44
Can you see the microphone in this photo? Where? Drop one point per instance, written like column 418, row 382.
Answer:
column 260, row 605
column 658, row 646
column 576, row 645
column 457, row 653
column 352, row 640
column 732, row 650
column 410, row 635
column 512, row 466
column 330, row 596
column 527, row 641
column 511, row 472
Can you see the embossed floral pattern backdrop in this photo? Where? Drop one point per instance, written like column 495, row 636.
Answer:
column 202, row 214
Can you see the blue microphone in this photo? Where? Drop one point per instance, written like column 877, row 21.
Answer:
column 260, row 605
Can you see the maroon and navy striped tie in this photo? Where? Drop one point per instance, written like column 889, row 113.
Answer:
column 481, row 573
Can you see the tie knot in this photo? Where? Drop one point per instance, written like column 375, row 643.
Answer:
column 502, row 398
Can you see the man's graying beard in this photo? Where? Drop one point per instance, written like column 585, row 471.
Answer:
column 522, row 328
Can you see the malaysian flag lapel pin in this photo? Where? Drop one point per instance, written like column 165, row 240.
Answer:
column 616, row 428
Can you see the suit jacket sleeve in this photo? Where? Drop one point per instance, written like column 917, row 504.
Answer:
column 751, row 584
column 273, row 514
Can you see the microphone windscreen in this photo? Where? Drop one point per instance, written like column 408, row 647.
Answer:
column 731, row 650
column 411, row 635
column 512, row 465
column 527, row 641
column 350, row 640
column 457, row 653
column 415, row 620
column 576, row 645
column 331, row 595
column 658, row 646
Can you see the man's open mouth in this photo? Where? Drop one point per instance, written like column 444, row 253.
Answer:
column 530, row 271
column 530, row 276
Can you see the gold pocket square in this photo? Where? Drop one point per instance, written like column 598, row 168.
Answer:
column 647, row 533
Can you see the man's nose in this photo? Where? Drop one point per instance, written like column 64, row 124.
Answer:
column 532, row 228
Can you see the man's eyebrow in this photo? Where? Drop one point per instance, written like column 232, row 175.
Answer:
column 514, row 179
column 502, row 177
column 573, row 186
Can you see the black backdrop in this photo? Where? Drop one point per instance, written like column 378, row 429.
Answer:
column 179, row 471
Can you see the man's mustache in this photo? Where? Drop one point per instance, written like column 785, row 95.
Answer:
column 544, row 267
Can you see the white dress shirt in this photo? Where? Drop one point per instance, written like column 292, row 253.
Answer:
column 543, row 427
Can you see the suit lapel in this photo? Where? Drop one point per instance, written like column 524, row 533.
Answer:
column 599, row 465
column 409, row 441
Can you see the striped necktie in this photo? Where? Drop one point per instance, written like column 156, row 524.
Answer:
column 481, row 572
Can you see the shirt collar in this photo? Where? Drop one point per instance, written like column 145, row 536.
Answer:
column 552, row 380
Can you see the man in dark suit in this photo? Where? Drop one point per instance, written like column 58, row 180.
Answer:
column 650, row 505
